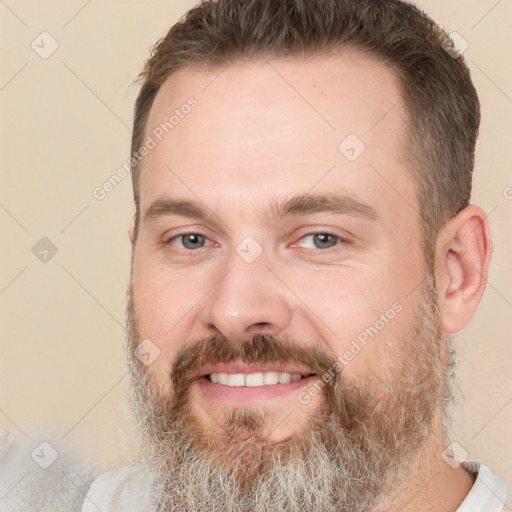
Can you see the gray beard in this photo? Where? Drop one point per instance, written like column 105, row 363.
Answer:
column 345, row 458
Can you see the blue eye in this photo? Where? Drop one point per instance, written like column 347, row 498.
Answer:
column 321, row 241
column 190, row 241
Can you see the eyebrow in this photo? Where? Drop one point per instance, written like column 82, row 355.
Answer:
column 302, row 204
column 305, row 204
column 163, row 207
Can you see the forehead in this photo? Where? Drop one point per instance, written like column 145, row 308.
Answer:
column 279, row 125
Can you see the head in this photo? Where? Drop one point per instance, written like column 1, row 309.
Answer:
column 303, row 249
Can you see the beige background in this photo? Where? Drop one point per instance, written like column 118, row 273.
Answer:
column 65, row 129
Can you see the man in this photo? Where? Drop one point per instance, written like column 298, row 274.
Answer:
column 303, row 250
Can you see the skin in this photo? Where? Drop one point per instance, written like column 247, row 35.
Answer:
column 264, row 132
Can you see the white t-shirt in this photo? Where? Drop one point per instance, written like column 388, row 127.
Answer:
column 131, row 488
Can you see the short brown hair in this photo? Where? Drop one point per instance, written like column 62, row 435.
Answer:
column 440, row 98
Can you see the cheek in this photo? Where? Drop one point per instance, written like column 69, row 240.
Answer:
column 166, row 301
column 360, row 314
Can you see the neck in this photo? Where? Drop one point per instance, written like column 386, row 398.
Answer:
column 428, row 483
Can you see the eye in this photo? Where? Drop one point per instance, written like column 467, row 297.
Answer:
column 190, row 241
column 320, row 241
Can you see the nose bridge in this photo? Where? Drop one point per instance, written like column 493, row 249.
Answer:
column 248, row 299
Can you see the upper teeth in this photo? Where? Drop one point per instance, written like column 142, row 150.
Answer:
column 254, row 379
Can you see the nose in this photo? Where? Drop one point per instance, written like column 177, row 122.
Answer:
column 248, row 300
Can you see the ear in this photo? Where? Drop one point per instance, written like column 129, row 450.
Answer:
column 463, row 252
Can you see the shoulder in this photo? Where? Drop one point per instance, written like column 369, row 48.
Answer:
column 36, row 471
column 489, row 492
column 127, row 489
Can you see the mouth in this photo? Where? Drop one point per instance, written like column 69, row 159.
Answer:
column 254, row 379
column 242, row 384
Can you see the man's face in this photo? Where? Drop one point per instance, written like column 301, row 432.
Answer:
column 255, row 220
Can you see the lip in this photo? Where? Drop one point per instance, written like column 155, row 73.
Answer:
column 244, row 396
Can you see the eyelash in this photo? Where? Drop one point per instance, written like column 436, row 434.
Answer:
column 340, row 241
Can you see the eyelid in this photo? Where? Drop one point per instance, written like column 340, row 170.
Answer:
column 196, row 229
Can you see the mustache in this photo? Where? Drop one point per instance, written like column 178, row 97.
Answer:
column 260, row 349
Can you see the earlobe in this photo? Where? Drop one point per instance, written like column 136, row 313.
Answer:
column 463, row 252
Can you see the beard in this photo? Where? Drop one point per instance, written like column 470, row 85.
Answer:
column 347, row 455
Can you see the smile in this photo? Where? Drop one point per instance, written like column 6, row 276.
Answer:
column 241, row 383
column 253, row 379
